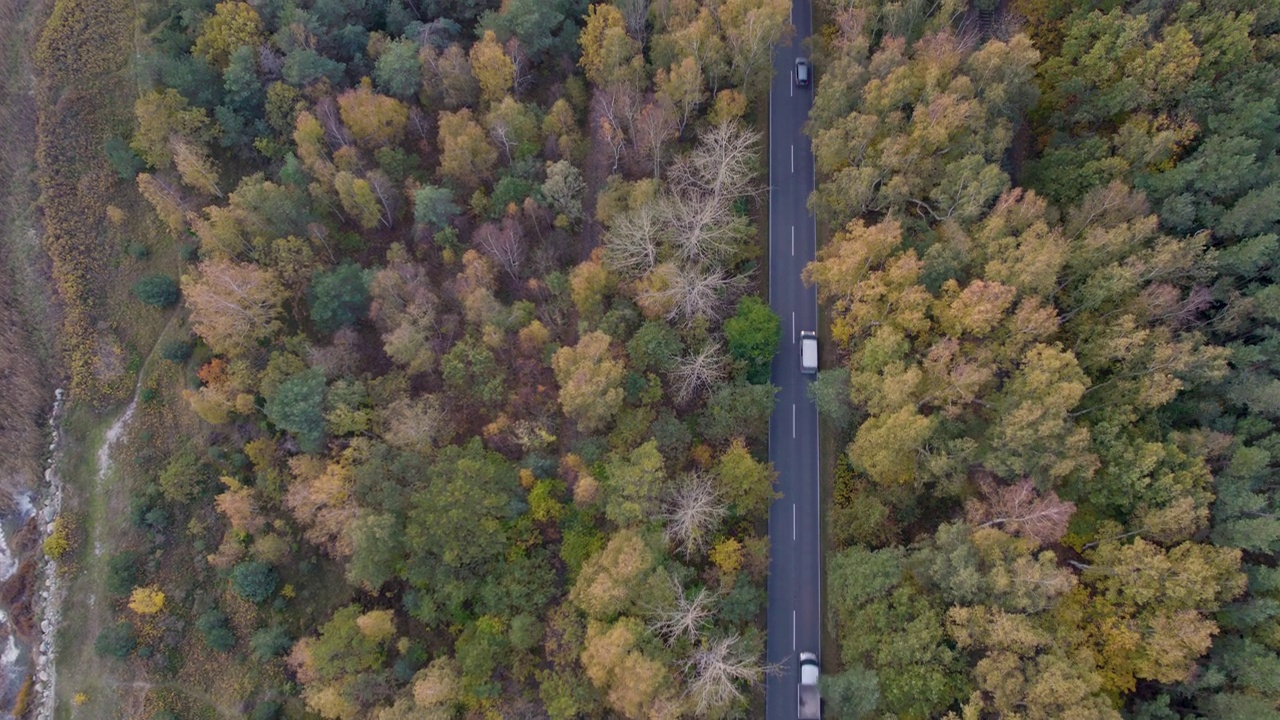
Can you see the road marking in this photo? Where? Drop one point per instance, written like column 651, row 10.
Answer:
column 817, row 482
column 793, row 241
column 793, row 82
column 793, row 521
column 793, row 327
column 793, row 631
column 793, row 157
column 793, row 420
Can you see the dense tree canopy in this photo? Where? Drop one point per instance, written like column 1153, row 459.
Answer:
column 477, row 393
column 468, row 391
column 1035, row 344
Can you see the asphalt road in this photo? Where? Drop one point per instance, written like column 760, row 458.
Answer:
column 795, row 564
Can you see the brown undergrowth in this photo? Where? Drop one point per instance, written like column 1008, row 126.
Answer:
column 25, row 320
column 24, row 379
column 80, row 59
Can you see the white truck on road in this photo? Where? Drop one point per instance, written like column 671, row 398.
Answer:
column 808, row 699
column 808, row 352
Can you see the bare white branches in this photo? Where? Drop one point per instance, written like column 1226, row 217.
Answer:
column 693, row 513
column 721, row 168
column 718, row 669
column 700, row 292
column 696, row 373
column 685, row 617
column 679, row 247
column 632, row 243
column 705, row 232
column 504, row 243
column 1021, row 510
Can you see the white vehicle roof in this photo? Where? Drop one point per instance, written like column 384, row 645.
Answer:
column 808, row 352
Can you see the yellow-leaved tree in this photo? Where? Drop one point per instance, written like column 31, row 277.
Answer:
column 609, row 53
column 374, row 120
column 147, row 600
column 232, row 304
column 233, row 24
column 590, row 381
column 492, row 68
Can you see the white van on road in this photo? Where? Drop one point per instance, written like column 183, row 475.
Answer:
column 808, row 352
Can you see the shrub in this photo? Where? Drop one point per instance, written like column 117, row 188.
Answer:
column 116, row 641
column 177, row 351
column 339, row 297
column 122, row 573
column 182, row 479
column 266, row 710
column 138, row 250
column 298, row 407
column 254, row 580
column 410, row 661
column 122, row 159
column 58, row 544
column 158, row 290
column 145, row 511
column 80, row 44
column 213, row 625
column 146, row 600
column 270, row 642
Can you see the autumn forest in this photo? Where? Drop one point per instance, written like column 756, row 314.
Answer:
column 437, row 336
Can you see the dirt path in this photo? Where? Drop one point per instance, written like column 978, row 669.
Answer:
column 103, row 509
column 92, row 573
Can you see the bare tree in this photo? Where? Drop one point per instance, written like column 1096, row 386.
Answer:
column 504, row 243
column 500, row 133
column 685, row 617
column 335, row 133
column 635, row 13
column 655, row 126
column 270, row 63
column 632, row 242
column 616, row 108
column 718, row 669
column 693, row 513
column 1020, row 510
column 341, row 358
column 523, row 65
column 702, row 188
column 417, row 424
column 696, row 373
column 722, row 166
column 422, row 125
column 612, row 136
column 385, row 191
column 706, row 231
column 696, row 292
